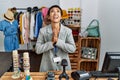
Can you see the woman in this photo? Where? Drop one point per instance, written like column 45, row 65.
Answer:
column 55, row 41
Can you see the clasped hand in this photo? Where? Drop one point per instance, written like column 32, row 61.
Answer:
column 55, row 36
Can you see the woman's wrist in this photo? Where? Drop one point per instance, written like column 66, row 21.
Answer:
column 54, row 43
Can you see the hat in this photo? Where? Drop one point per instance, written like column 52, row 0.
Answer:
column 9, row 16
column 65, row 15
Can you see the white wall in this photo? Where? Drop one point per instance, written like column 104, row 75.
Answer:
column 65, row 4
column 89, row 12
column 32, row 3
column 3, row 6
column 109, row 16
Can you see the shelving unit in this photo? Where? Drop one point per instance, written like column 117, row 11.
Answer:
column 88, row 64
column 73, row 22
column 74, row 56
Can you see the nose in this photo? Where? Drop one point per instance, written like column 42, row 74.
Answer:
column 55, row 12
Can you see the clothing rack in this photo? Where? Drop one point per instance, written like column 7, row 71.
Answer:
column 29, row 9
column 21, row 8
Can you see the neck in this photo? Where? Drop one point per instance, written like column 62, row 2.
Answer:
column 55, row 25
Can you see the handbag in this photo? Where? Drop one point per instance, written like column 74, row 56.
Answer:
column 92, row 29
column 89, row 53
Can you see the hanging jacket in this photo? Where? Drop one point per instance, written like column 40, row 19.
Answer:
column 38, row 24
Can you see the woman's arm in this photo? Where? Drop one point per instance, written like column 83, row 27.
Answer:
column 41, row 45
column 68, row 45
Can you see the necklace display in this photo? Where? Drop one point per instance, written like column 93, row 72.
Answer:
column 16, row 73
column 26, row 66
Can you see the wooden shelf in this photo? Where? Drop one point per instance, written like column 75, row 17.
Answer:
column 89, row 37
column 74, row 56
column 88, row 60
column 79, row 63
column 74, row 26
column 93, row 42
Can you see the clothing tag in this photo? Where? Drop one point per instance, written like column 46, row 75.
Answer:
column 57, row 59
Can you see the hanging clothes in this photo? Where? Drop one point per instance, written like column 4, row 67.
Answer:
column 38, row 24
column 10, row 30
column 25, row 27
column 20, row 28
column 44, row 12
column 29, row 25
column 32, row 26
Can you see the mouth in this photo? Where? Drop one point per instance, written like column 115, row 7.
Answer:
column 55, row 17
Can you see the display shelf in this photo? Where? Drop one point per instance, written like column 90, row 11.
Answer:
column 88, row 60
column 74, row 56
column 88, row 64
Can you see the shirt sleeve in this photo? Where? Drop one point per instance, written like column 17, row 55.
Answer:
column 68, row 45
column 41, row 45
column 16, row 23
column 1, row 27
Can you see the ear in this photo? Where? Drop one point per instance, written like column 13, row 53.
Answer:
column 48, row 17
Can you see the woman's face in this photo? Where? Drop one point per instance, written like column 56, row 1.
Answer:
column 55, row 15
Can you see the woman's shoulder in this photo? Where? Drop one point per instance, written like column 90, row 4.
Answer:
column 3, row 22
column 46, row 29
column 65, row 28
